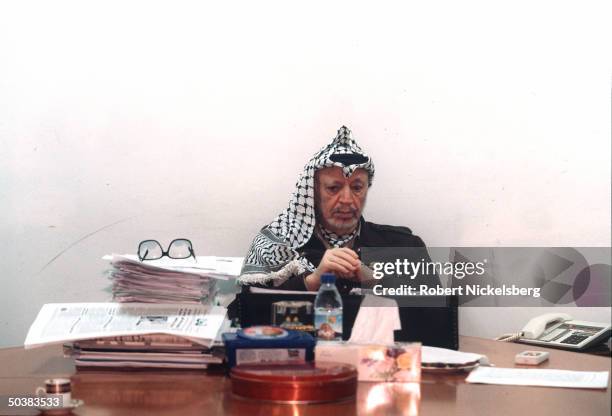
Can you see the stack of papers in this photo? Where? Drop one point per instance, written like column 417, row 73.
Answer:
column 169, row 280
column 143, row 351
column 133, row 335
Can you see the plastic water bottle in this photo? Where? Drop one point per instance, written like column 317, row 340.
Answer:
column 328, row 310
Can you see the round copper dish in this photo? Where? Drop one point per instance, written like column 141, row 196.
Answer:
column 297, row 383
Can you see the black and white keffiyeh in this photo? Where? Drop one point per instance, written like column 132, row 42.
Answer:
column 273, row 256
column 335, row 240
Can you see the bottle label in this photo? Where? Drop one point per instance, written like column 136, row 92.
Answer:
column 329, row 324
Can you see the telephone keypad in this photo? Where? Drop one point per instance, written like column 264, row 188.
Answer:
column 574, row 339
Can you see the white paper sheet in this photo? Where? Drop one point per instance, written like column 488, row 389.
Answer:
column 540, row 377
column 179, row 357
column 255, row 289
column 63, row 322
column 136, row 364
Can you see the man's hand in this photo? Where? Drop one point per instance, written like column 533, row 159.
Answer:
column 343, row 262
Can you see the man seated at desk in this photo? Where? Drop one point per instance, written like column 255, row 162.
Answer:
column 322, row 230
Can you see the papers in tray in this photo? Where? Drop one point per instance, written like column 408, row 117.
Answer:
column 147, row 351
column 178, row 356
column 99, row 353
column 169, row 280
column 205, row 266
column 540, row 377
column 64, row 322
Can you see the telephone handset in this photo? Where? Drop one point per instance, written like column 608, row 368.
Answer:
column 538, row 325
column 560, row 331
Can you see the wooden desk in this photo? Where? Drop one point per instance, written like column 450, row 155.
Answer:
column 172, row 393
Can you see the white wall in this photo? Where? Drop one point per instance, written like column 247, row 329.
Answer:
column 488, row 125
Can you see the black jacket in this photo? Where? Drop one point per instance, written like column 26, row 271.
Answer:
column 371, row 235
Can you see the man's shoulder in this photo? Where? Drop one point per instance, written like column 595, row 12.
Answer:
column 388, row 228
column 374, row 233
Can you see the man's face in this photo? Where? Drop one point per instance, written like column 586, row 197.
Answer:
column 339, row 201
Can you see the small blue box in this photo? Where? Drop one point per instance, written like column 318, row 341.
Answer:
column 268, row 345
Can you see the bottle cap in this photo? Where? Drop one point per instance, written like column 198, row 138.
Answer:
column 328, row 278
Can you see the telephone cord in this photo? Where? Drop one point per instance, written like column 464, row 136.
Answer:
column 509, row 337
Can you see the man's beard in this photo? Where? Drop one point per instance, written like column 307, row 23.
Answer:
column 341, row 227
column 344, row 226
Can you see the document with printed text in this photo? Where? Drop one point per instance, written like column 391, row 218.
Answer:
column 63, row 322
column 540, row 377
